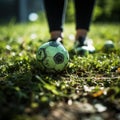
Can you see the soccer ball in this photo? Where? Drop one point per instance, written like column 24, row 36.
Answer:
column 52, row 56
column 108, row 46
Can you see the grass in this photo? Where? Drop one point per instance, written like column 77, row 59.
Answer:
column 26, row 93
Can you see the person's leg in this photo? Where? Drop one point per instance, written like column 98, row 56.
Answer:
column 55, row 13
column 83, row 14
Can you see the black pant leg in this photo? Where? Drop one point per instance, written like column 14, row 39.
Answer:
column 83, row 13
column 55, row 13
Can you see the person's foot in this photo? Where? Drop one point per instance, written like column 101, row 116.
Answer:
column 84, row 46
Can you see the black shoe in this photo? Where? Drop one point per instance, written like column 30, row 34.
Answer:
column 84, row 46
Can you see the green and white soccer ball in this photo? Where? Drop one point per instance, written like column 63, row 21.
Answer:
column 108, row 46
column 52, row 56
